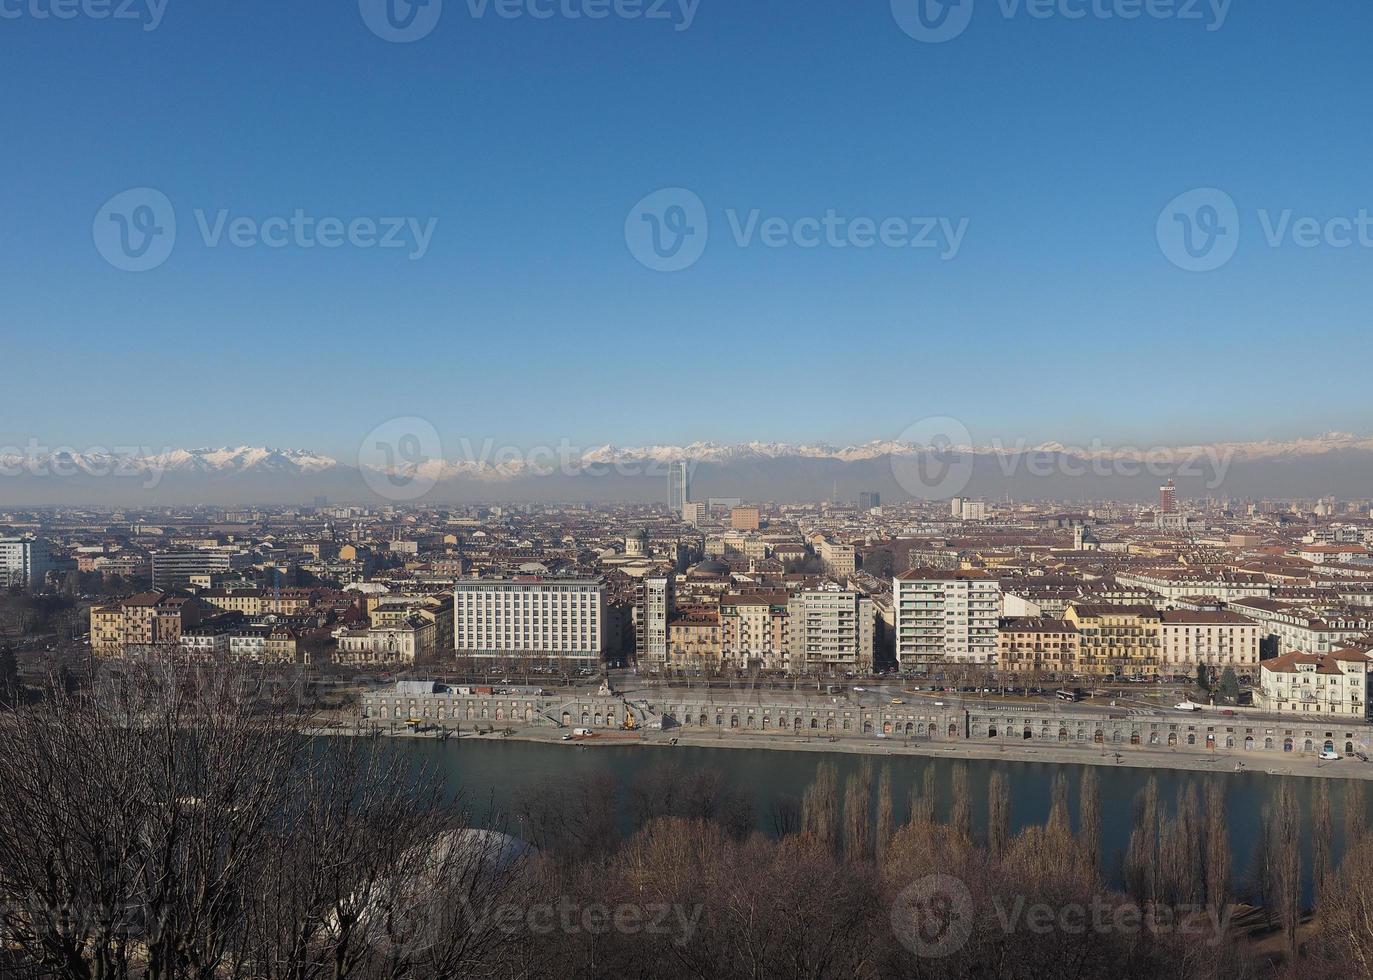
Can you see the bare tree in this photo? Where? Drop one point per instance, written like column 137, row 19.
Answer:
column 1142, row 857
column 885, row 817
column 998, row 813
column 858, row 816
column 1286, row 830
column 1060, row 823
column 1089, row 817
column 1321, row 844
column 961, row 802
column 923, row 797
column 1355, row 813
column 820, row 808
column 1217, row 845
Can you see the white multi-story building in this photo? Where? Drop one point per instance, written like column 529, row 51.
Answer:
column 1176, row 583
column 830, row 631
column 533, row 618
column 944, row 615
column 1306, row 629
column 25, row 562
column 655, row 609
column 1332, row 684
column 1217, row 639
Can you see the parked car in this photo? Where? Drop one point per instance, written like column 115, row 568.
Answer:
column 1330, row 755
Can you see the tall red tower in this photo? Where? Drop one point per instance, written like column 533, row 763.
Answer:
column 1168, row 498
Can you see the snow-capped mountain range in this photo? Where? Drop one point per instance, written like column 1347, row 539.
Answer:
column 475, row 461
column 1335, row 463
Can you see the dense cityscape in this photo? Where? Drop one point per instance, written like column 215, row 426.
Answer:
column 686, row 490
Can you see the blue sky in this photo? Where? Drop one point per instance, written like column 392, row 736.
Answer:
column 527, row 142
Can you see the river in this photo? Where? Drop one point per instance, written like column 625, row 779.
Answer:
column 489, row 772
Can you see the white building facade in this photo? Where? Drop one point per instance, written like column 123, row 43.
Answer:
column 945, row 616
column 532, row 619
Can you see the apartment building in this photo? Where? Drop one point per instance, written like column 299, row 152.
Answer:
column 840, row 560
column 174, row 569
column 1332, row 684
column 394, row 611
column 1217, row 639
column 530, row 618
column 1317, row 628
column 1120, row 641
column 753, row 630
column 1037, row 645
column 944, row 615
column 830, row 631
column 410, row 641
column 1175, row 583
column 653, row 610
column 745, row 518
column 693, row 641
column 26, row 562
column 149, row 620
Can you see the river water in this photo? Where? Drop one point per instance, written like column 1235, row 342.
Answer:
column 489, row 773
